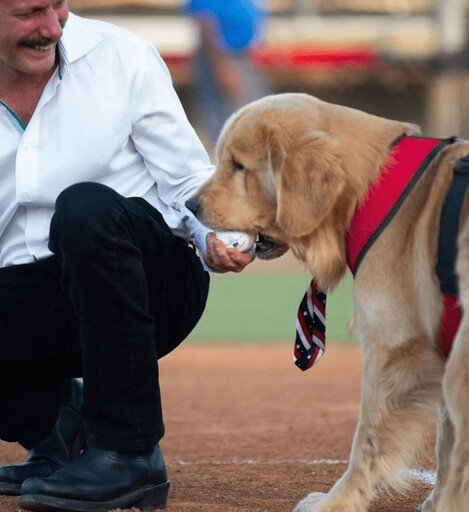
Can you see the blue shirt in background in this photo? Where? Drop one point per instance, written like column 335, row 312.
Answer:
column 238, row 22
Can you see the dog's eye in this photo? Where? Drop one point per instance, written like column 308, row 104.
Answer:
column 237, row 166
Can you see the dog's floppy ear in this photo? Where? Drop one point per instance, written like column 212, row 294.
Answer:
column 309, row 183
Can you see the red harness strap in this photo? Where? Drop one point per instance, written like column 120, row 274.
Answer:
column 449, row 323
column 407, row 161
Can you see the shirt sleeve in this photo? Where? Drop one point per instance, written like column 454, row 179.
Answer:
column 172, row 151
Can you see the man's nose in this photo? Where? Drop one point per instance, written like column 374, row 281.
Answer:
column 52, row 26
column 193, row 204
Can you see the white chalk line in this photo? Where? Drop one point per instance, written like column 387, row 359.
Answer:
column 241, row 462
column 422, row 475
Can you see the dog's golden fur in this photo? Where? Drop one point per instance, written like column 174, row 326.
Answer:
column 294, row 168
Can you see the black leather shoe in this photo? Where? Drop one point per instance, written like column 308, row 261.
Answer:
column 63, row 444
column 101, row 480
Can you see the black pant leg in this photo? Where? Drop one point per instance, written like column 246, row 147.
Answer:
column 127, row 276
column 39, row 348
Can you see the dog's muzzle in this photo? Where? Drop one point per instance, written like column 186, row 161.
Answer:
column 266, row 248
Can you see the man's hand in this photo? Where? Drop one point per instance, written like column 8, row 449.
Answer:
column 223, row 259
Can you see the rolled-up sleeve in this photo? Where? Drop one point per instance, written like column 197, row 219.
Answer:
column 170, row 147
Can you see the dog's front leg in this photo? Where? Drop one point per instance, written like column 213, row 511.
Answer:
column 455, row 494
column 401, row 387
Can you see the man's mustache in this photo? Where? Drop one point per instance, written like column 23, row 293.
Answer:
column 32, row 42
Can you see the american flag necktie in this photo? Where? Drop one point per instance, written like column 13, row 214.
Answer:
column 310, row 342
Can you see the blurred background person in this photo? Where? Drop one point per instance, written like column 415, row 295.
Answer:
column 225, row 78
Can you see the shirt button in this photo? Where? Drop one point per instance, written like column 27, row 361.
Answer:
column 25, row 196
column 25, row 148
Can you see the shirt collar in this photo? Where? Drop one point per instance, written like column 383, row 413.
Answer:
column 75, row 43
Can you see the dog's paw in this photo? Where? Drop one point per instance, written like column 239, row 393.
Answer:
column 312, row 503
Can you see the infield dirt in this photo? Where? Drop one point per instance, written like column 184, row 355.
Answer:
column 248, row 431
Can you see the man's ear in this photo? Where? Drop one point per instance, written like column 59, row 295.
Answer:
column 309, row 184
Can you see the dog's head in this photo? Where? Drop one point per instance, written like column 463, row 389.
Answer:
column 284, row 174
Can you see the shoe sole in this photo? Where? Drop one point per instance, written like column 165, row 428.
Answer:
column 147, row 498
column 10, row 489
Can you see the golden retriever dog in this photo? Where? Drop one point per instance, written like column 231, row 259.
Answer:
column 293, row 170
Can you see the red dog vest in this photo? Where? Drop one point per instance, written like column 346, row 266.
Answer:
column 407, row 161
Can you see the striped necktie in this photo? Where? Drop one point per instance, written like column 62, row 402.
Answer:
column 310, row 342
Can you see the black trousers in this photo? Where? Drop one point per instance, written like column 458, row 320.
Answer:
column 120, row 292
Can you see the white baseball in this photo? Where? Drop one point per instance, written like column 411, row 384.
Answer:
column 236, row 239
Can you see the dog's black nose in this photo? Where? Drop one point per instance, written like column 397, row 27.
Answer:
column 194, row 205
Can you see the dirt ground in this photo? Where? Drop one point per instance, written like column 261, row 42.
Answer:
column 248, row 431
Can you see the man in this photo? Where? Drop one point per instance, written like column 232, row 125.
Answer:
column 99, row 277
column 225, row 78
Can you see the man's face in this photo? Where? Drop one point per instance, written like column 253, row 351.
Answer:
column 29, row 31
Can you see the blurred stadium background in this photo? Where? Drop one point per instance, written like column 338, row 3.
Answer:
column 403, row 59
column 406, row 59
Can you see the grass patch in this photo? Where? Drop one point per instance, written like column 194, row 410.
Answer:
column 263, row 307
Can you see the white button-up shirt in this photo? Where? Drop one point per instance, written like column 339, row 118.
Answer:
column 110, row 115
